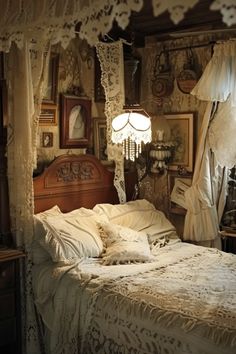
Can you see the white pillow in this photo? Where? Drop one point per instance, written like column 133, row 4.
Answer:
column 73, row 235
column 139, row 215
column 123, row 245
column 38, row 253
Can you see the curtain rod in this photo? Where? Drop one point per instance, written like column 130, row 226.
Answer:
column 188, row 47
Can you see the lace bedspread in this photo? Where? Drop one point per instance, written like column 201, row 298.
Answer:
column 183, row 302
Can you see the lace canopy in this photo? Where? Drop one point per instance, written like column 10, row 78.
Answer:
column 55, row 20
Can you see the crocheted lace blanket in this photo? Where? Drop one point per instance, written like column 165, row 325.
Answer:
column 183, row 302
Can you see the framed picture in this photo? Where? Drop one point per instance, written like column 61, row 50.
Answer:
column 47, row 139
column 181, row 129
column 99, row 93
column 177, row 185
column 48, row 114
column 50, row 96
column 100, row 139
column 75, row 122
column 1, row 66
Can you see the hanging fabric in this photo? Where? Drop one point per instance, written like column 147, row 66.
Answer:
column 112, row 66
column 25, row 77
column 216, row 153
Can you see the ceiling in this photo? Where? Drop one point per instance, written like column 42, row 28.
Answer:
column 143, row 23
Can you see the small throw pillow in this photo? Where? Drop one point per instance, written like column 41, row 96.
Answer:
column 123, row 245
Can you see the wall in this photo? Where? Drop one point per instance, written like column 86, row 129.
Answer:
column 155, row 187
column 76, row 70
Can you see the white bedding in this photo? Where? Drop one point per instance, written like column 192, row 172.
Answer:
column 183, row 302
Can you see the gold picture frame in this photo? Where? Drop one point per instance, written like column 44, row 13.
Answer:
column 48, row 114
column 181, row 134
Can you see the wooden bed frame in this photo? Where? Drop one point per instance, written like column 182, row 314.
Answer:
column 74, row 181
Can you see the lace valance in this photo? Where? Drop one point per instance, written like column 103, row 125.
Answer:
column 38, row 21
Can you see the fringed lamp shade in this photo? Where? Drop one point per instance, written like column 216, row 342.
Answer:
column 131, row 129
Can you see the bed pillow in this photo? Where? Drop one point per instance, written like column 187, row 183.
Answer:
column 123, row 245
column 38, row 253
column 73, row 236
column 139, row 215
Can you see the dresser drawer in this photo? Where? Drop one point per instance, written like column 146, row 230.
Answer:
column 7, row 305
column 7, row 275
column 7, row 331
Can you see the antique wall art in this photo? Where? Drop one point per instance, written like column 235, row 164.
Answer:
column 181, row 135
column 48, row 114
column 178, row 185
column 75, row 122
column 100, row 141
column 47, row 139
column 50, row 96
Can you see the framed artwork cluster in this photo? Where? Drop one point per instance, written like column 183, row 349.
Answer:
column 48, row 114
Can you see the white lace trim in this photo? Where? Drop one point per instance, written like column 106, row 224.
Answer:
column 53, row 20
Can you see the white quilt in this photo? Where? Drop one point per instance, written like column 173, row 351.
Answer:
column 184, row 302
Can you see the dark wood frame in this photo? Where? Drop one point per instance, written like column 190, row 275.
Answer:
column 68, row 102
column 74, row 181
column 52, row 79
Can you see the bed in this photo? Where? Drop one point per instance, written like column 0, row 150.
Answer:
column 111, row 278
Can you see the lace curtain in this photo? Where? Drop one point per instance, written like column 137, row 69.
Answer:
column 112, row 67
column 25, row 78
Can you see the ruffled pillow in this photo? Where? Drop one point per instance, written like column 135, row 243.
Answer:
column 123, row 245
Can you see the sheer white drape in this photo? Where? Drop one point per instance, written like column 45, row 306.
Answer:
column 216, row 149
column 25, row 77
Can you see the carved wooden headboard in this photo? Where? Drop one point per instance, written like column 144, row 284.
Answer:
column 74, row 181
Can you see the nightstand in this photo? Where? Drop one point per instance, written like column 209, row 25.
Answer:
column 10, row 313
column 228, row 241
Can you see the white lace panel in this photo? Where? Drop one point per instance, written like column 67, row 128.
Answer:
column 44, row 20
column 222, row 133
column 112, row 66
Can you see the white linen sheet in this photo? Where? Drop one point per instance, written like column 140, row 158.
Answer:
column 184, row 302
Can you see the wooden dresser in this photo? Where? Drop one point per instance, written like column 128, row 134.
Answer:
column 10, row 313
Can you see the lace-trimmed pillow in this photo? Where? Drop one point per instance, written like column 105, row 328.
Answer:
column 73, row 236
column 123, row 245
